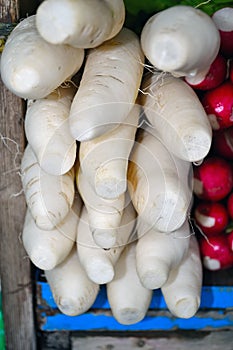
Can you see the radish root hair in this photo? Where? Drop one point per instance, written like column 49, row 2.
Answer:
column 202, row 3
column 4, row 140
column 202, row 233
column 147, row 90
column 13, row 195
column 20, row 237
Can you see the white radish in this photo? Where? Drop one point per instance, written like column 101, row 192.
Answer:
column 82, row 23
column 73, row 292
column 104, row 160
column 128, row 299
column 48, row 197
column 47, row 249
column 182, row 291
column 160, row 184
column 98, row 262
column 109, row 86
column 32, row 68
column 48, row 133
column 157, row 253
column 104, row 215
column 94, row 259
column 181, row 40
column 177, row 116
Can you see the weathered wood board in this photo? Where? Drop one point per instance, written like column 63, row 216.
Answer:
column 213, row 341
column 15, row 268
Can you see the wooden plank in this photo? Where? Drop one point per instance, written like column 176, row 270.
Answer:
column 213, row 341
column 9, row 11
column 54, row 341
column 15, row 267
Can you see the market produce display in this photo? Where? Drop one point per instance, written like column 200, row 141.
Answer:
column 127, row 172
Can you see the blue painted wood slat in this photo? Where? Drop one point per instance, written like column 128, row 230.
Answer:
column 215, row 313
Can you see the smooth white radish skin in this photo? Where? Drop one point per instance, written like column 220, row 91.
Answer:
column 181, row 40
column 157, row 253
column 48, row 197
column 223, row 19
column 94, row 259
column 177, row 116
column 32, row 68
column 48, row 133
column 47, row 249
column 98, row 262
column 109, row 86
column 82, row 23
column 160, row 184
column 118, row 13
column 104, row 215
column 182, row 290
column 104, row 160
column 73, row 292
column 128, row 299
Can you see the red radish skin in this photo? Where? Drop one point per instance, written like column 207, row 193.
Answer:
column 230, row 205
column 218, row 104
column 216, row 253
column 215, row 76
column 231, row 71
column 222, row 143
column 230, row 239
column 223, row 20
column 211, row 217
column 213, row 179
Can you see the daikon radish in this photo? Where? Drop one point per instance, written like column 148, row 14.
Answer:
column 47, row 249
column 177, row 116
column 104, row 215
column 48, row 133
column 104, row 160
column 157, row 253
column 182, row 291
column 160, row 184
column 97, row 262
column 128, row 299
column 73, row 292
column 82, row 23
column 32, row 68
column 181, row 40
column 109, row 86
column 48, row 197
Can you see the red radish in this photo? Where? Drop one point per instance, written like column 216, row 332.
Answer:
column 230, row 239
column 223, row 20
column 213, row 179
column 211, row 217
column 218, row 104
column 230, row 205
column 216, row 252
column 231, row 71
column 222, row 143
column 215, row 76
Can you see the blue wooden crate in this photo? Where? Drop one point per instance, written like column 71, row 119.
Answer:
column 216, row 312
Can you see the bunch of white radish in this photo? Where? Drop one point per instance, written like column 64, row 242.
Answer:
column 107, row 171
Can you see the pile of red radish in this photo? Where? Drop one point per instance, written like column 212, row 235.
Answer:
column 213, row 178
